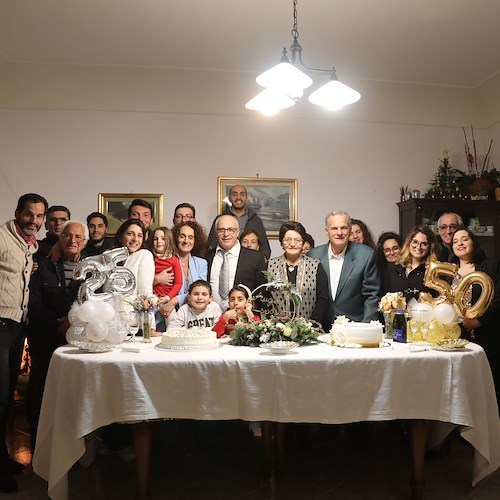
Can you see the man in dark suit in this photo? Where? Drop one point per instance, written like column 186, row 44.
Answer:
column 230, row 264
column 352, row 271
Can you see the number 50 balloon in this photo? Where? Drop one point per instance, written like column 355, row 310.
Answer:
column 434, row 269
column 485, row 299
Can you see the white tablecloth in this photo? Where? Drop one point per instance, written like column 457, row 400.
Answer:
column 316, row 383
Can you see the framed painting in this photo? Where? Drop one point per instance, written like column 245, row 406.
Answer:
column 115, row 207
column 274, row 200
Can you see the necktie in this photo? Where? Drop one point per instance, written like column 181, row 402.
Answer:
column 224, row 276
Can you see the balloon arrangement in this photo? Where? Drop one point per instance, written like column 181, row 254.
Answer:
column 440, row 314
column 92, row 317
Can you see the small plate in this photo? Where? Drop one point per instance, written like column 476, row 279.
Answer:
column 280, row 346
column 450, row 345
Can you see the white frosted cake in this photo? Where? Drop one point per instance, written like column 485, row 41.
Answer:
column 185, row 339
column 366, row 334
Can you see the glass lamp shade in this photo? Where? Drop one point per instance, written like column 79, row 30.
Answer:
column 286, row 78
column 269, row 102
column 334, row 95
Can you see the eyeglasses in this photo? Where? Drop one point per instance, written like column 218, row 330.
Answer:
column 421, row 244
column 60, row 220
column 230, row 230
column 394, row 249
column 184, row 217
column 67, row 236
column 298, row 241
column 443, row 227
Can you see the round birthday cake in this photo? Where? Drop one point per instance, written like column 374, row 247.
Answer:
column 184, row 339
column 366, row 334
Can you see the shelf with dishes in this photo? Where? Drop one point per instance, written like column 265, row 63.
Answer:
column 482, row 218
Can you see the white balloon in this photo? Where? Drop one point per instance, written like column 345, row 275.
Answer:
column 113, row 336
column 96, row 331
column 73, row 316
column 88, row 311
column 422, row 312
column 444, row 313
column 74, row 333
column 107, row 312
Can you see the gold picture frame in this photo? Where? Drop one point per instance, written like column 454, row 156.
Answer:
column 115, row 207
column 274, row 200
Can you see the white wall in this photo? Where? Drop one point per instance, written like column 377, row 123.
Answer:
column 71, row 132
column 71, row 156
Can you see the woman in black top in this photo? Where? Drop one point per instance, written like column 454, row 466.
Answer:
column 407, row 274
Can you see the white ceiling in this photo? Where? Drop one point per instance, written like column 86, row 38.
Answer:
column 444, row 42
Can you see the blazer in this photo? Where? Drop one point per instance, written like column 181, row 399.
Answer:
column 197, row 271
column 249, row 270
column 359, row 285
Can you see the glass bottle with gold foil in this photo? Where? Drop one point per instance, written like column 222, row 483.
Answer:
column 399, row 327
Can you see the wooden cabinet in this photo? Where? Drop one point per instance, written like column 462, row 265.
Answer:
column 427, row 211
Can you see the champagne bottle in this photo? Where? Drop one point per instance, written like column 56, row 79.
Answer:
column 399, row 323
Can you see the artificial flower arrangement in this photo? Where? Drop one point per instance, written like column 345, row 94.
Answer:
column 389, row 302
column 276, row 329
column 253, row 334
column 144, row 305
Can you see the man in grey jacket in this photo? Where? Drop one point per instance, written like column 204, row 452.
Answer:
column 17, row 246
column 352, row 271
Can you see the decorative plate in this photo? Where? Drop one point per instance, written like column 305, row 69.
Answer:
column 93, row 347
column 450, row 344
column 280, row 346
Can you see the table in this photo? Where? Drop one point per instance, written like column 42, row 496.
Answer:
column 314, row 383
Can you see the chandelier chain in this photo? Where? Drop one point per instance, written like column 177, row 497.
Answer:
column 295, row 28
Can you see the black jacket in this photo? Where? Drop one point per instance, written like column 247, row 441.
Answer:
column 396, row 280
column 254, row 223
column 50, row 299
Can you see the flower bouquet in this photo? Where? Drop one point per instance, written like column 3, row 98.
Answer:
column 144, row 305
column 272, row 329
column 387, row 306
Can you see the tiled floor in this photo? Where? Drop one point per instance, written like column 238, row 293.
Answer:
column 337, row 466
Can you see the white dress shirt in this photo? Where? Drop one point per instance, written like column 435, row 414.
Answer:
column 336, row 263
column 232, row 256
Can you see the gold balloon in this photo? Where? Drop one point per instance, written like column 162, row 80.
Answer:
column 453, row 331
column 436, row 332
column 433, row 270
column 485, row 299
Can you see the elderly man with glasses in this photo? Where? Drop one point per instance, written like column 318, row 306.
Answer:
column 447, row 224
column 52, row 292
column 230, row 264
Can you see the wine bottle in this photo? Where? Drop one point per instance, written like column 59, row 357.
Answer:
column 399, row 323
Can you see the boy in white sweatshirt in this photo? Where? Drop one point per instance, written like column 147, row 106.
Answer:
column 199, row 311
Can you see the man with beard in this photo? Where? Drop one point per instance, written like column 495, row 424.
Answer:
column 57, row 215
column 98, row 243
column 143, row 210
column 17, row 246
column 246, row 217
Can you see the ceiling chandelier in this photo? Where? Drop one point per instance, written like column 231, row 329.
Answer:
column 284, row 83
